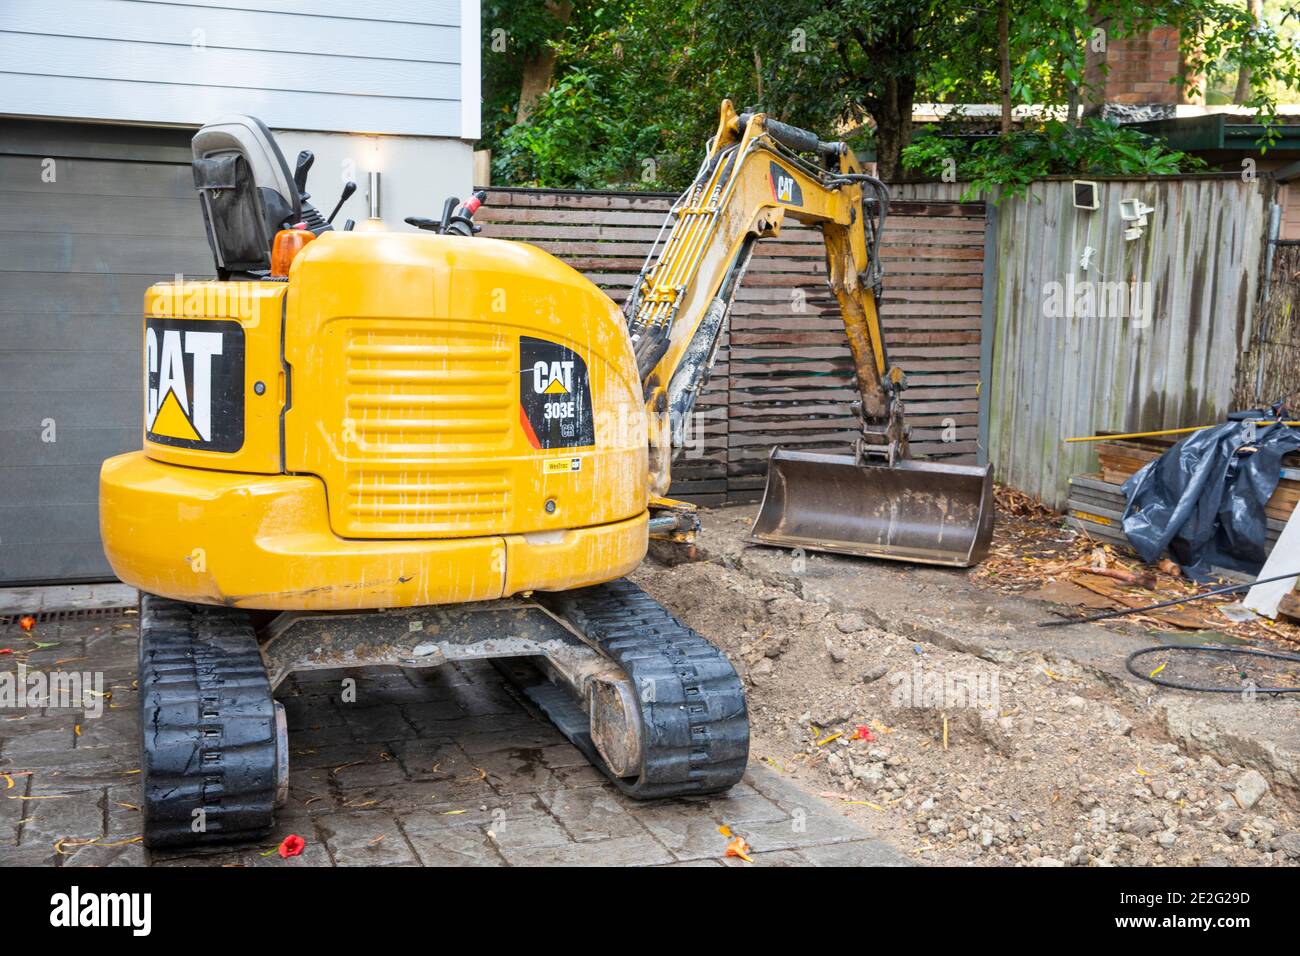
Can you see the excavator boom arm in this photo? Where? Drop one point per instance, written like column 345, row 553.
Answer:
column 753, row 177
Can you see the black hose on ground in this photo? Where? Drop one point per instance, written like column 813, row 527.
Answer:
column 1154, row 676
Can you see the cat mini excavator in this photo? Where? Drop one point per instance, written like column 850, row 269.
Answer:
column 367, row 448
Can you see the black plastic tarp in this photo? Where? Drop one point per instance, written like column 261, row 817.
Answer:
column 1204, row 502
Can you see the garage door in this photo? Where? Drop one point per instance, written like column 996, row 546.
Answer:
column 89, row 217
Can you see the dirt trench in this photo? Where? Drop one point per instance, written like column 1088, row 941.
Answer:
column 1025, row 759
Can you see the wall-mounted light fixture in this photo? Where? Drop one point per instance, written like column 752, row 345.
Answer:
column 373, row 196
column 1134, row 212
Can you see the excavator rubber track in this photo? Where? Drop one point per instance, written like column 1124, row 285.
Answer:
column 692, row 704
column 209, row 727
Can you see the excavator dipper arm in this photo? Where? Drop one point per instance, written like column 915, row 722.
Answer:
column 875, row 502
column 752, row 178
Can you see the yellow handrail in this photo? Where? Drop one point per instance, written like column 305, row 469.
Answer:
column 1170, row 431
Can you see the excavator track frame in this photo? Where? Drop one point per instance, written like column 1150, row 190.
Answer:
column 649, row 701
column 691, row 701
column 213, row 741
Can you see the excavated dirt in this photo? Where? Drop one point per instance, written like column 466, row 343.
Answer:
column 1023, row 759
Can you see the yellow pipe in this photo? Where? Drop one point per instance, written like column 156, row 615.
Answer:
column 1169, row 431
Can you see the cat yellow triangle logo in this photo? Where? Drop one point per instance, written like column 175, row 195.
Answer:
column 172, row 422
column 555, row 388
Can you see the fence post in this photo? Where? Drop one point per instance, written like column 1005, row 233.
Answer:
column 988, row 305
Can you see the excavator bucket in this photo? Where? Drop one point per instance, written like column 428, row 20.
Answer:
column 912, row 511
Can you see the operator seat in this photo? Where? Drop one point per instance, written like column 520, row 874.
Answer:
column 246, row 191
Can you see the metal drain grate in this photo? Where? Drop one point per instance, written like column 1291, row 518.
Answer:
column 67, row 617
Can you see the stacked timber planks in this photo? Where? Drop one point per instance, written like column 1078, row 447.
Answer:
column 784, row 375
column 1097, row 502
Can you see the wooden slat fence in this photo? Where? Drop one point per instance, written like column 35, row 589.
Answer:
column 784, row 375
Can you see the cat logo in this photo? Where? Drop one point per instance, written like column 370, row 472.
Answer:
column 552, row 378
column 554, row 398
column 784, row 187
column 193, row 384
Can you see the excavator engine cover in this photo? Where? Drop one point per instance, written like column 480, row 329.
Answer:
column 913, row 511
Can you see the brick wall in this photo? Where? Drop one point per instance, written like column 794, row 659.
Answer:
column 1139, row 70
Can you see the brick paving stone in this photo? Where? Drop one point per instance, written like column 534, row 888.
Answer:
column 680, row 863
column 305, row 713
column 774, row 858
column 591, row 813
column 11, row 810
column 563, row 756
column 314, row 854
column 809, row 830
column 394, row 796
column 336, row 756
column 478, row 701
column 447, row 765
column 426, row 716
column 449, row 772
column 437, row 844
column 302, row 739
column 517, row 770
column 369, row 774
column 486, row 813
column 855, row 853
column 310, row 790
column 107, row 730
column 687, row 835
column 93, row 766
column 377, row 724
column 122, row 810
column 584, row 776
column 741, row 804
column 132, row 854
column 29, row 856
column 50, row 817
column 533, row 734
column 523, row 828
column 365, row 838
column 622, row 851
column 432, row 758
column 39, row 736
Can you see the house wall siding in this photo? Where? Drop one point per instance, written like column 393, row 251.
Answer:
column 392, row 67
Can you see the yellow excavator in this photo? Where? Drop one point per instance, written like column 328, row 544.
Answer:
column 368, row 449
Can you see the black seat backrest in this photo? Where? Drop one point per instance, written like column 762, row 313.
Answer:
column 246, row 190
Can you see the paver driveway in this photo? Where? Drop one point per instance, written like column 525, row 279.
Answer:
column 435, row 767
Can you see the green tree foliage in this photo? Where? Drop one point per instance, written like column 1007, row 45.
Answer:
column 637, row 82
column 833, row 65
column 513, row 32
column 1006, row 165
column 638, row 87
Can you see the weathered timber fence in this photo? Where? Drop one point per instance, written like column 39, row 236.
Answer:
column 784, row 375
column 1067, row 362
